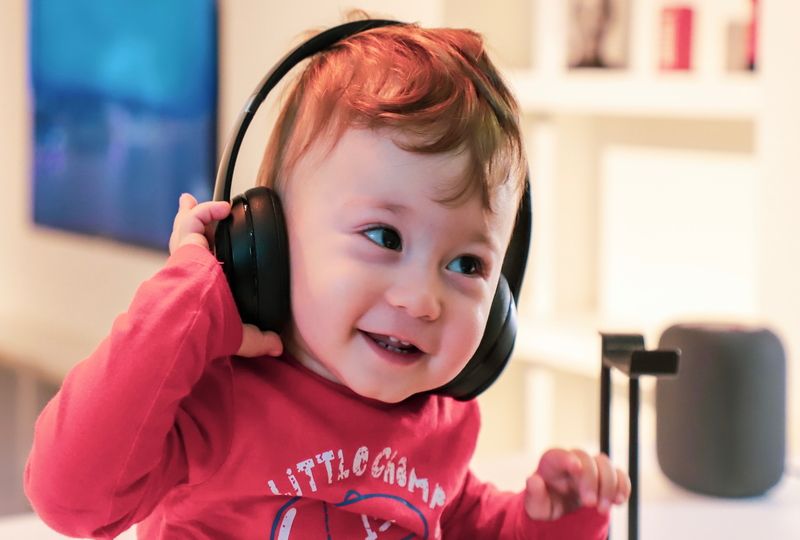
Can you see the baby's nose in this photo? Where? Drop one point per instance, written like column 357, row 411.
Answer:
column 418, row 295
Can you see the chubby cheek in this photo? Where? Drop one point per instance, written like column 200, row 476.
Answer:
column 302, row 279
column 461, row 341
column 323, row 296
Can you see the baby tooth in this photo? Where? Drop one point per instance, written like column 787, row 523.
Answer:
column 393, row 339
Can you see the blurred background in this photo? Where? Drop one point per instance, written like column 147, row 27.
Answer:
column 663, row 142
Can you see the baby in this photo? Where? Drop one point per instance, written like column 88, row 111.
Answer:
column 399, row 162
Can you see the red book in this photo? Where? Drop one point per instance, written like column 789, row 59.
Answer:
column 676, row 38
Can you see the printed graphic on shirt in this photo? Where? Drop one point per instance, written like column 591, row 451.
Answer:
column 322, row 517
column 409, row 497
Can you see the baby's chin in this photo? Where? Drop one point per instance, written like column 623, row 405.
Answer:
column 390, row 398
column 385, row 393
column 365, row 388
column 365, row 385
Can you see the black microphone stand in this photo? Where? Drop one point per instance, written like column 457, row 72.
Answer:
column 626, row 353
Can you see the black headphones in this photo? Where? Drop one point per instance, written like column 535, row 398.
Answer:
column 252, row 245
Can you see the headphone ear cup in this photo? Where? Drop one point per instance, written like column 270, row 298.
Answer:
column 494, row 350
column 252, row 245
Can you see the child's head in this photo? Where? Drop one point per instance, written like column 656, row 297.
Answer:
column 399, row 160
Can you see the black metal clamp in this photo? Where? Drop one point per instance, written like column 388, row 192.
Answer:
column 626, row 352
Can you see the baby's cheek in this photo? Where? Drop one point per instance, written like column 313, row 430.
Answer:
column 462, row 342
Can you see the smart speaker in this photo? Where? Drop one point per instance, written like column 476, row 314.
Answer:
column 721, row 423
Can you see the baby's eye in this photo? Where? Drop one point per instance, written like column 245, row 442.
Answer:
column 385, row 237
column 466, row 264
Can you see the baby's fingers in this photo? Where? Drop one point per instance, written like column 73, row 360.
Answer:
column 208, row 212
column 623, row 487
column 189, row 210
column 538, row 503
column 194, row 222
column 558, row 467
column 257, row 343
column 186, row 201
column 587, row 479
column 607, row 489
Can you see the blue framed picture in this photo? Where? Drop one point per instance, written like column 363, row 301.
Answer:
column 124, row 113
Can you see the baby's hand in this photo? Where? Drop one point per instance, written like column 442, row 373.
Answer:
column 257, row 343
column 566, row 480
column 194, row 223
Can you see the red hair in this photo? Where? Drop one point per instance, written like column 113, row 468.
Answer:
column 437, row 87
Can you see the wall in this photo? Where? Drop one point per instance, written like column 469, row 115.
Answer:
column 779, row 137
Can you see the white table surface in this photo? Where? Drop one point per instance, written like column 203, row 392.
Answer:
column 669, row 512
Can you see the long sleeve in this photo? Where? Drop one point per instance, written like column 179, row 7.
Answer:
column 481, row 511
column 112, row 442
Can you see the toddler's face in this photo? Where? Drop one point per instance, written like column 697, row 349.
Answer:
column 390, row 289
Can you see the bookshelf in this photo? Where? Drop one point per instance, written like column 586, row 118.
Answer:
column 716, row 146
column 592, row 133
column 676, row 95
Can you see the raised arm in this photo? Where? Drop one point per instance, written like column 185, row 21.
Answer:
column 482, row 511
column 111, row 443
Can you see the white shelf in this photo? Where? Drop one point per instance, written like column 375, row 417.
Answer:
column 572, row 344
column 626, row 94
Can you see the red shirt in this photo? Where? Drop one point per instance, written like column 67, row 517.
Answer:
column 163, row 425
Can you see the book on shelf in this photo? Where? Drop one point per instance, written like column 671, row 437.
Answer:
column 741, row 44
column 676, row 38
column 598, row 33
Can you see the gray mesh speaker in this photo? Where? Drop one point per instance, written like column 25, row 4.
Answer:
column 721, row 423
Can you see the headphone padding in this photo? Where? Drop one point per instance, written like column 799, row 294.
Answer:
column 271, row 259
column 252, row 246
column 233, row 248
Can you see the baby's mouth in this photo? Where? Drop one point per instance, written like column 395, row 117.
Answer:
column 391, row 343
